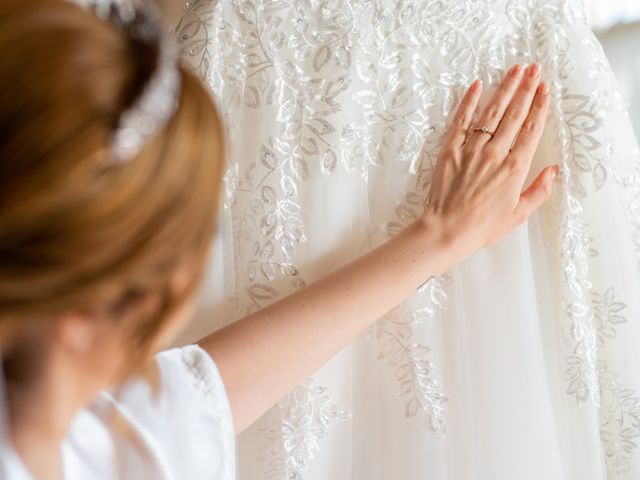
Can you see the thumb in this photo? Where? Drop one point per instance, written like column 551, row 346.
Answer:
column 538, row 193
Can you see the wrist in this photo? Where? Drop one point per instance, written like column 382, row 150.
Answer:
column 446, row 242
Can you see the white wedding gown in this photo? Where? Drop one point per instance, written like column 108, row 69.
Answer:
column 522, row 362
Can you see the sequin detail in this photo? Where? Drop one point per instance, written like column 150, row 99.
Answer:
column 308, row 414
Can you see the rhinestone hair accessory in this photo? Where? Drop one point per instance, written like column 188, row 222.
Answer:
column 158, row 99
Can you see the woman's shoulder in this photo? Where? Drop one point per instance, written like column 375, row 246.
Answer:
column 176, row 419
column 195, row 371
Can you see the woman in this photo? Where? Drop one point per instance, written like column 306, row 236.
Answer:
column 108, row 204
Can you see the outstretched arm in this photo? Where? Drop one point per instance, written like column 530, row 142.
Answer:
column 476, row 198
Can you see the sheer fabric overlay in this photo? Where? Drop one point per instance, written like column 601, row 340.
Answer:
column 519, row 362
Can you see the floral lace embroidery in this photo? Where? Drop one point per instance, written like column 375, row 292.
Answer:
column 308, row 413
column 602, row 316
column 619, row 423
column 413, row 370
column 584, row 150
column 391, row 56
column 241, row 63
column 619, row 406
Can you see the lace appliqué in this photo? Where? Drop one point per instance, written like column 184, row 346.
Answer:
column 414, row 372
column 236, row 47
column 308, row 413
column 619, row 406
column 585, row 150
column 407, row 123
column 238, row 62
column 597, row 325
column 619, row 423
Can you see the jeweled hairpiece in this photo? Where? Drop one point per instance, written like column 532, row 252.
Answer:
column 158, row 100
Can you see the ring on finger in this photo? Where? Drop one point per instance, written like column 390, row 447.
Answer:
column 484, row 129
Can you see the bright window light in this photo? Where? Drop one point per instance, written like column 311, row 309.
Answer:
column 606, row 13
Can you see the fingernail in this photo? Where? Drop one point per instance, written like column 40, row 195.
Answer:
column 515, row 71
column 554, row 171
column 534, row 70
column 475, row 86
column 543, row 88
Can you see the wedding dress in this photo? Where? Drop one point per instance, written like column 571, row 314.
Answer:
column 521, row 362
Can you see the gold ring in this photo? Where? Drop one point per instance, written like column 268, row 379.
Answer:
column 484, row 129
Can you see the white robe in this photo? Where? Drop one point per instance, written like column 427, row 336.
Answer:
column 181, row 429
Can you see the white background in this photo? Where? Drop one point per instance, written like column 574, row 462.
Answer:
column 617, row 25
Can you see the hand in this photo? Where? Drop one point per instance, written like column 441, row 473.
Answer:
column 477, row 192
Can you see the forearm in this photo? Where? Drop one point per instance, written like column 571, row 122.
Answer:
column 266, row 354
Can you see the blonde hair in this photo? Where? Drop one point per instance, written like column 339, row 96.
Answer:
column 77, row 233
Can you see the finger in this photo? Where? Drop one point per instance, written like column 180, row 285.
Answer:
column 475, row 120
column 518, row 109
column 525, row 147
column 497, row 106
column 464, row 115
column 534, row 196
